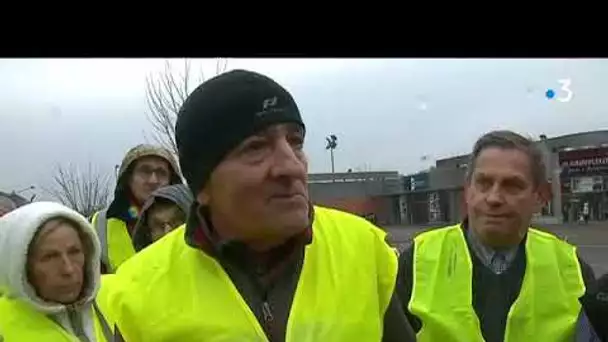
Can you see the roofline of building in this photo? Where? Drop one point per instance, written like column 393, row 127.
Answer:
column 551, row 139
column 571, row 135
column 17, row 199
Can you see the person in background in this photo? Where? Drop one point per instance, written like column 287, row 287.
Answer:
column 164, row 211
column 50, row 276
column 6, row 205
column 493, row 278
column 144, row 169
column 256, row 261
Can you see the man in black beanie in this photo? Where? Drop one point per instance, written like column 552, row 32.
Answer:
column 256, row 261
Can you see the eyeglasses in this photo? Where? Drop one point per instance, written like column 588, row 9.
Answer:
column 147, row 172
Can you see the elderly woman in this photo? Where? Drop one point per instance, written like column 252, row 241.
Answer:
column 49, row 274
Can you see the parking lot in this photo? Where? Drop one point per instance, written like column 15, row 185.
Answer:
column 591, row 240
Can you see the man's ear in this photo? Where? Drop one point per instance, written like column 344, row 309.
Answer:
column 465, row 191
column 203, row 197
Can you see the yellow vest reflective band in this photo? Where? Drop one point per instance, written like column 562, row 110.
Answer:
column 173, row 292
column 20, row 322
column 116, row 243
column 547, row 306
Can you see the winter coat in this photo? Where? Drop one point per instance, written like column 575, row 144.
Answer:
column 17, row 231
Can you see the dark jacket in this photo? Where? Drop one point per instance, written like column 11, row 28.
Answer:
column 268, row 282
column 178, row 194
column 602, row 305
column 493, row 295
column 584, row 330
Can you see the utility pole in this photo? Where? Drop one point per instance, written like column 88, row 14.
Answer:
column 332, row 143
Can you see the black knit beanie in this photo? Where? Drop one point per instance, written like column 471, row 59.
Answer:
column 221, row 113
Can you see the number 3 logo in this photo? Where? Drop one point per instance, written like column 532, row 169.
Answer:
column 565, row 87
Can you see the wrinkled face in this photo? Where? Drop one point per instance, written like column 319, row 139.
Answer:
column 149, row 174
column 259, row 192
column 163, row 218
column 501, row 196
column 56, row 263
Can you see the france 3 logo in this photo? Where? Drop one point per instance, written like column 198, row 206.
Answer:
column 563, row 94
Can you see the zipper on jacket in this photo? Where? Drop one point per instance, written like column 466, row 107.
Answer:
column 76, row 322
column 267, row 312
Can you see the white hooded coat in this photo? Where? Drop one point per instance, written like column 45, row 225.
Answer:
column 17, row 230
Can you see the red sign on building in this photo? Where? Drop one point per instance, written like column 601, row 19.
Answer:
column 590, row 161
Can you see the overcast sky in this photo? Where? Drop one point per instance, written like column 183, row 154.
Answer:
column 387, row 113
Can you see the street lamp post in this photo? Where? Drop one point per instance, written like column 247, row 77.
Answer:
column 332, row 143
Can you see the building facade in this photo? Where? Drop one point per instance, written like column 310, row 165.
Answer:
column 367, row 194
column 577, row 169
column 10, row 201
column 584, row 179
column 14, row 198
column 435, row 196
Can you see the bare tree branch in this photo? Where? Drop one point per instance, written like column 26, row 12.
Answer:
column 85, row 191
column 165, row 94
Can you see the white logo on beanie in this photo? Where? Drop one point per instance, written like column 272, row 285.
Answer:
column 269, row 106
column 271, row 102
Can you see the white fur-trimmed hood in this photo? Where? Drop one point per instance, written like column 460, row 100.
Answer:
column 17, row 229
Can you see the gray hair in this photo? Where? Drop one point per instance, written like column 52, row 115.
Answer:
column 510, row 140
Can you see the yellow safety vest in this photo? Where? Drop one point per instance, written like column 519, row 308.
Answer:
column 20, row 322
column 116, row 243
column 546, row 309
column 173, row 292
column 102, row 297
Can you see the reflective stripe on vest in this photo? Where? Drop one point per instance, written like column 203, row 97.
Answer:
column 116, row 243
column 103, row 323
column 347, row 280
column 20, row 322
column 100, row 223
column 547, row 306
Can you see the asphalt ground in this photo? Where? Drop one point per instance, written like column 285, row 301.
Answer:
column 591, row 240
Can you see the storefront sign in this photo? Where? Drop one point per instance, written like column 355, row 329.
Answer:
column 416, row 182
column 584, row 162
column 582, row 184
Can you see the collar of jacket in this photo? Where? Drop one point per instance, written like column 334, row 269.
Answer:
column 486, row 253
column 200, row 234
